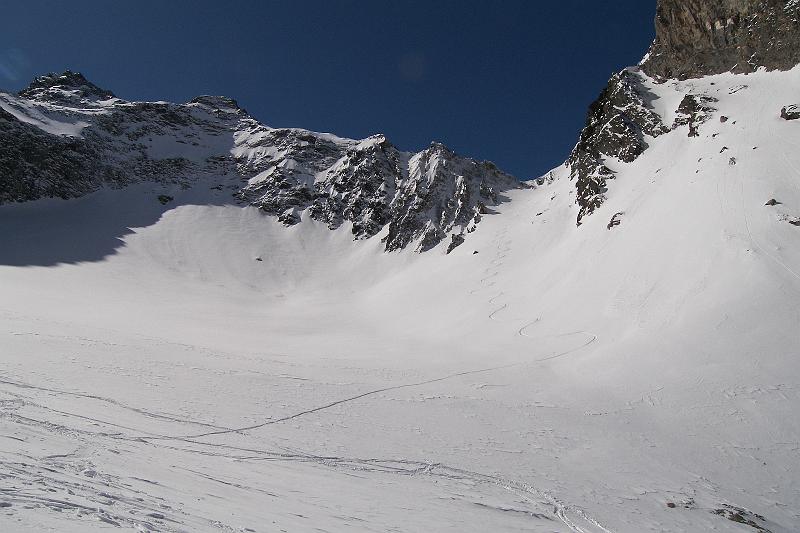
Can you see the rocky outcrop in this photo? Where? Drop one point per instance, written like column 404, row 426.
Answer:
column 791, row 112
column 693, row 38
column 65, row 137
column 696, row 38
column 618, row 125
column 360, row 187
column 442, row 194
column 694, row 110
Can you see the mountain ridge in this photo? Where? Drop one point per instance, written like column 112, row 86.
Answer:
column 416, row 202
column 65, row 137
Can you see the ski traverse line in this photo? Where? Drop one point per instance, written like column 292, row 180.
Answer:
column 593, row 339
column 378, row 391
column 341, row 401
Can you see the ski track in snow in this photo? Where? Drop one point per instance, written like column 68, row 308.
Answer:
column 777, row 142
column 504, row 246
column 112, row 402
column 106, row 498
column 753, row 239
column 347, row 400
column 743, row 203
column 561, row 510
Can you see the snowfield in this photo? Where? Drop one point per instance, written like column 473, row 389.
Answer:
column 209, row 369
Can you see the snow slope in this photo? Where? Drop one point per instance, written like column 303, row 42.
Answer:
column 212, row 370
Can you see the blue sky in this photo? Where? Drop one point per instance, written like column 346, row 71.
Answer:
column 509, row 81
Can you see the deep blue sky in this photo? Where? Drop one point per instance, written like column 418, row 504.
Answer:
column 508, row 81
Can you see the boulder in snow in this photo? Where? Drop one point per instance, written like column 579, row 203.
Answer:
column 790, row 112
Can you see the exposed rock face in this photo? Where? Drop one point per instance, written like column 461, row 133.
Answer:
column 34, row 163
column 617, row 126
column 442, row 192
column 65, row 137
column 693, row 111
column 696, row 38
column 693, row 38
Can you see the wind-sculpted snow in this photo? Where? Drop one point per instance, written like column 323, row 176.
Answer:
column 65, row 137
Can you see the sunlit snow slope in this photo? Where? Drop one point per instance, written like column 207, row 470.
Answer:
column 212, row 370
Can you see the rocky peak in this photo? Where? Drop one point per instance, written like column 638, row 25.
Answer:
column 697, row 38
column 618, row 126
column 65, row 85
column 219, row 103
column 439, row 148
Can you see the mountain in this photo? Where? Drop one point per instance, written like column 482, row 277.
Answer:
column 65, row 137
column 700, row 37
column 693, row 39
column 613, row 349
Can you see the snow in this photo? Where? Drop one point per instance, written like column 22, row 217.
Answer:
column 55, row 123
column 199, row 367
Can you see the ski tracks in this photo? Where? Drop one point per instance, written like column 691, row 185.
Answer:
column 574, row 518
column 743, row 205
column 503, row 248
column 72, row 485
column 340, row 402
